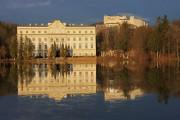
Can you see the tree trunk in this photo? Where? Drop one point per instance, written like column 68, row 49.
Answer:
column 157, row 55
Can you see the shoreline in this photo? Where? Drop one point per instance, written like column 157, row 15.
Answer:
column 54, row 61
column 88, row 60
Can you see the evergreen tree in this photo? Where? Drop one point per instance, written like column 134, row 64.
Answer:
column 53, row 52
column 20, row 49
column 13, row 47
column 62, row 52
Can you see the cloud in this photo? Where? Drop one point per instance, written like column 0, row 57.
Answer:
column 28, row 3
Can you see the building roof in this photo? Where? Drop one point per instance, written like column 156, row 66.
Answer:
column 47, row 24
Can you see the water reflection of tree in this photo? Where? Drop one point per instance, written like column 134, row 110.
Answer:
column 163, row 80
column 116, row 78
column 8, row 79
column 62, row 69
column 25, row 72
column 125, row 81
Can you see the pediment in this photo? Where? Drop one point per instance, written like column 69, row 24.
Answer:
column 56, row 24
column 56, row 27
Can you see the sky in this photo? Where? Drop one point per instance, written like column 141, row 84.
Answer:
column 84, row 11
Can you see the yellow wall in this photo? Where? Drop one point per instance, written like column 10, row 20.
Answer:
column 82, row 39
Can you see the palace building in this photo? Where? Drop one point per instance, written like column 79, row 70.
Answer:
column 111, row 21
column 79, row 39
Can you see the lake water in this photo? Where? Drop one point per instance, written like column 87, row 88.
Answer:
column 89, row 92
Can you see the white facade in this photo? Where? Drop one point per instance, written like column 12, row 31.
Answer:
column 111, row 21
column 81, row 40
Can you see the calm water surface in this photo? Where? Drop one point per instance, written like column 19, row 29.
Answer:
column 89, row 92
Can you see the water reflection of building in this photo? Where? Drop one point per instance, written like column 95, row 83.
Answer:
column 118, row 94
column 71, row 80
column 121, row 89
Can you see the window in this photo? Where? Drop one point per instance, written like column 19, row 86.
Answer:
column 74, row 73
column 86, row 39
column 51, row 39
column 57, row 40
column 74, row 39
column 68, row 31
column 39, row 46
column 45, row 54
column 79, row 39
column 39, row 31
column 92, row 39
column 39, row 39
column 80, row 46
column 74, row 31
column 79, row 31
column 86, row 45
column 92, row 74
column 21, row 32
column 91, row 32
column 68, row 39
column 86, row 73
column 85, row 31
column 92, row 64
column 92, row 80
column 62, row 39
column 45, row 39
column 74, row 45
column 91, row 45
column 45, row 46
column 33, row 31
column 45, row 31
column 26, row 31
column 80, row 73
